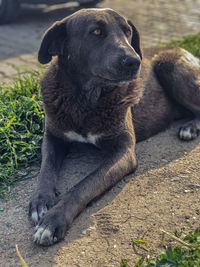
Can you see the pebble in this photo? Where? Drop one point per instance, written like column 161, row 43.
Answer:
column 85, row 231
column 194, row 185
column 176, row 179
column 9, row 224
column 186, row 191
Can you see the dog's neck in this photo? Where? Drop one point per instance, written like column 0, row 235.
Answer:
column 92, row 92
column 72, row 106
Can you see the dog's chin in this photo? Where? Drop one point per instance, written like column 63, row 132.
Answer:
column 119, row 80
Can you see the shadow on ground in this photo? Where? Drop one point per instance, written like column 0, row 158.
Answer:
column 23, row 36
column 44, row 14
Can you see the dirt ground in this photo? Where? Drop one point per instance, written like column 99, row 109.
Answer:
column 162, row 194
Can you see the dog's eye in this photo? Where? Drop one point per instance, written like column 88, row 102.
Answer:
column 127, row 31
column 97, row 32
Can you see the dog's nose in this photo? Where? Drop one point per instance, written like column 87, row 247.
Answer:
column 131, row 63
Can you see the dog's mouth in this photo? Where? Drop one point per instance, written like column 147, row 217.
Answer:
column 119, row 80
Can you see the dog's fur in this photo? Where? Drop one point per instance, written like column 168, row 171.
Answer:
column 94, row 92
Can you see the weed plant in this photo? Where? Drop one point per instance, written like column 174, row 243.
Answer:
column 21, row 128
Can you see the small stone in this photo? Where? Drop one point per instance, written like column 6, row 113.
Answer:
column 186, row 191
column 115, row 246
column 84, row 232
column 187, row 217
column 91, row 228
column 175, row 179
column 194, row 185
column 9, row 224
column 88, row 230
column 183, row 176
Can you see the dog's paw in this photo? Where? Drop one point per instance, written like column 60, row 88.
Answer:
column 39, row 205
column 52, row 228
column 188, row 131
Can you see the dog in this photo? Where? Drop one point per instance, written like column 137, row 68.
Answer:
column 102, row 89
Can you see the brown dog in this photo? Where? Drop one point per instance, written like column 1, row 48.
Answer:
column 94, row 92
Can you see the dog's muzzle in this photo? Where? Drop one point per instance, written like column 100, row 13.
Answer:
column 130, row 66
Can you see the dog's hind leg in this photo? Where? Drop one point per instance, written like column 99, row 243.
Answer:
column 190, row 130
column 178, row 72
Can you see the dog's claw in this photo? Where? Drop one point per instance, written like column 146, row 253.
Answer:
column 39, row 205
column 34, row 217
column 52, row 228
column 43, row 237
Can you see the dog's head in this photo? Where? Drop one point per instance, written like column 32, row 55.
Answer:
column 94, row 42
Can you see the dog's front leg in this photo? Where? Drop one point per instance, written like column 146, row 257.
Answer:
column 53, row 152
column 120, row 161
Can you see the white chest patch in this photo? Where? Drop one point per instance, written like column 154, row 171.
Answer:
column 189, row 59
column 90, row 138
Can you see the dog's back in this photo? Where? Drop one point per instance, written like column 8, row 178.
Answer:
column 169, row 79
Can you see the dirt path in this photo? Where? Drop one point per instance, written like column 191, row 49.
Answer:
column 158, row 196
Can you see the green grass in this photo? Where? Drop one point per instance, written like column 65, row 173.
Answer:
column 190, row 43
column 21, row 128
column 176, row 256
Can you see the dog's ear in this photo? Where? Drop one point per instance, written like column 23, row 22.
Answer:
column 135, row 42
column 52, row 42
